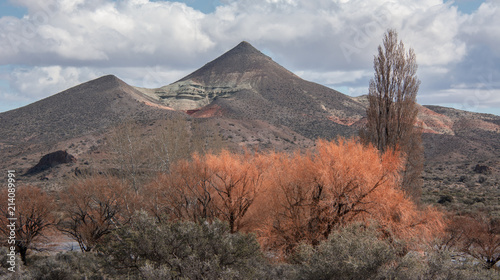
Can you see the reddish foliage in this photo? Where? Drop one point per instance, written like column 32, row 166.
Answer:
column 477, row 235
column 34, row 210
column 94, row 206
column 207, row 187
column 287, row 199
column 335, row 185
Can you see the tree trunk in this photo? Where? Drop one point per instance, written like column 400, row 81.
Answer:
column 23, row 251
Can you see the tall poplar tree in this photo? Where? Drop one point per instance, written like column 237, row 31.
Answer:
column 392, row 110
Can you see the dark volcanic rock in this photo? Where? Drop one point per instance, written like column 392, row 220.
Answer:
column 482, row 169
column 51, row 160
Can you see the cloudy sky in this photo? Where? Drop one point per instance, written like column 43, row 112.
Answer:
column 47, row 46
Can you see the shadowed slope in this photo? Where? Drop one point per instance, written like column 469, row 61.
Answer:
column 86, row 108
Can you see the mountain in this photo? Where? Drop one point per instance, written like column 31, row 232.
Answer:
column 76, row 120
column 245, row 84
column 247, row 99
column 83, row 109
column 459, row 134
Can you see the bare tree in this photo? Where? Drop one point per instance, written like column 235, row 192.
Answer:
column 392, row 110
column 140, row 152
column 34, row 213
column 92, row 208
column 183, row 194
column 477, row 235
column 127, row 147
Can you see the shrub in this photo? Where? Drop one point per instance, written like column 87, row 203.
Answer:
column 354, row 252
column 437, row 264
column 66, row 266
column 182, row 250
column 358, row 252
column 4, row 266
column 445, row 199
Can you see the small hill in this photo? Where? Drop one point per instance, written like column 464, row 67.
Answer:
column 51, row 160
column 468, row 135
column 83, row 109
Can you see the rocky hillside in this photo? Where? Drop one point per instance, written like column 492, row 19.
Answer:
column 90, row 107
column 246, row 99
column 245, row 84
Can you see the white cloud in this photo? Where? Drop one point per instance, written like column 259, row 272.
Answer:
column 334, row 77
column 433, row 33
column 60, row 43
column 113, row 31
column 90, row 31
column 482, row 26
column 476, row 100
column 40, row 82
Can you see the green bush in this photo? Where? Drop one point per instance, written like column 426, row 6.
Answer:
column 354, row 252
column 60, row 266
column 438, row 265
column 357, row 252
column 183, row 250
column 67, row 266
column 146, row 249
column 4, row 266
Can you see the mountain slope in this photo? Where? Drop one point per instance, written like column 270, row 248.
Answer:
column 247, row 99
column 83, row 109
column 473, row 136
column 245, row 84
column 464, row 121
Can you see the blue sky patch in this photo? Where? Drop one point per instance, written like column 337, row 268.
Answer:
column 8, row 9
column 467, row 6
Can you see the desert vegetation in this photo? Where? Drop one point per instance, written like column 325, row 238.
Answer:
column 176, row 203
column 392, row 110
column 336, row 211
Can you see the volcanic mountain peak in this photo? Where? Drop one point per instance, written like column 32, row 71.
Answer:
column 245, row 48
column 243, row 58
column 241, row 68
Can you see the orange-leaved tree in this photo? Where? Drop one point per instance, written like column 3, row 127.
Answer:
column 285, row 209
column 33, row 211
column 336, row 184
column 182, row 194
column 287, row 199
column 236, row 181
column 207, row 187
column 93, row 207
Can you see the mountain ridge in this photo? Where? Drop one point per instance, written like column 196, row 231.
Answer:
column 82, row 109
column 240, row 59
column 246, row 98
column 244, row 83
